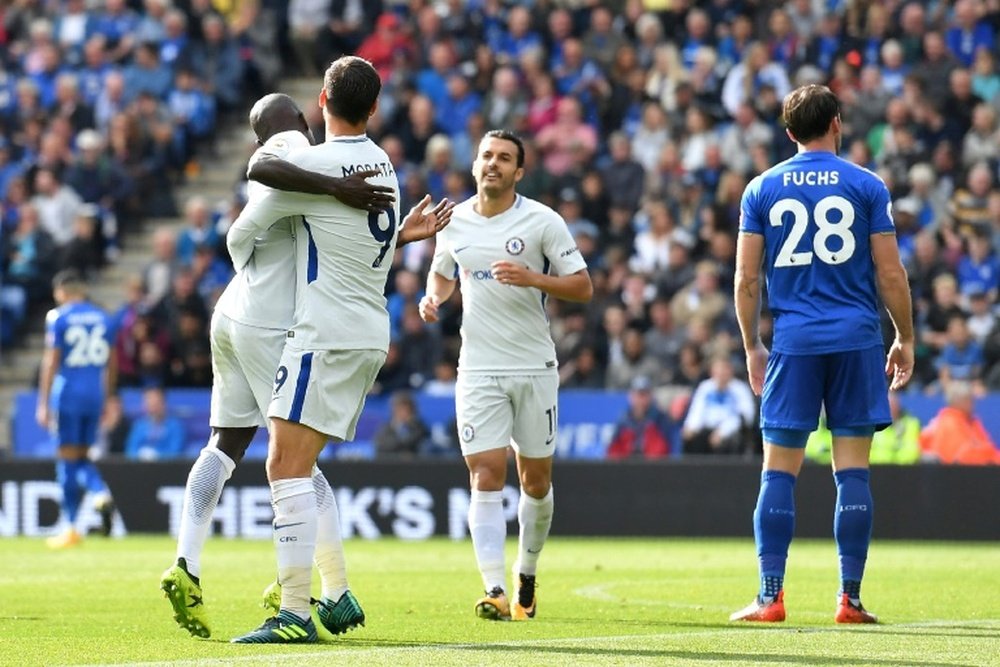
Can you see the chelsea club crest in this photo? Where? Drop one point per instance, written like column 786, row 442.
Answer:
column 468, row 432
column 515, row 246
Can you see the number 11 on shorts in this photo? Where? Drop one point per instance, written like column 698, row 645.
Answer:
column 553, row 416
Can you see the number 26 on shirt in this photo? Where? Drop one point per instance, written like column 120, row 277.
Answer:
column 827, row 228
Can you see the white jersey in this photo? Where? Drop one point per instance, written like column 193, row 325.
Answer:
column 342, row 254
column 505, row 330
column 261, row 292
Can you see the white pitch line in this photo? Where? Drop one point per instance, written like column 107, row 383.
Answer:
column 351, row 653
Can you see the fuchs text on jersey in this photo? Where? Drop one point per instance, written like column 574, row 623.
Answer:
column 800, row 178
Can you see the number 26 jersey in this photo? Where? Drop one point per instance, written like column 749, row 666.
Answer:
column 816, row 213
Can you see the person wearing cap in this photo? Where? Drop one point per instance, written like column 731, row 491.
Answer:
column 644, row 430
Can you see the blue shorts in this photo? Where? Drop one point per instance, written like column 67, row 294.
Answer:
column 77, row 428
column 851, row 385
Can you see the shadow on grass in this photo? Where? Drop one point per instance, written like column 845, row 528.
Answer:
column 695, row 656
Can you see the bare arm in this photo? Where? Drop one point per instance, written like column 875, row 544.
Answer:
column 439, row 290
column 749, row 257
column 573, row 287
column 895, row 291
column 50, row 365
column 353, row 190
column 111, row 375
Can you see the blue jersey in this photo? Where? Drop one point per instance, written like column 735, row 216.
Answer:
column 816, row 213
column 82, row 333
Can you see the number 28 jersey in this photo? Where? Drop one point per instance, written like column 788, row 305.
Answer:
column 816, row 213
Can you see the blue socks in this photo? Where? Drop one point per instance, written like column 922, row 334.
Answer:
column 773, row 526
column 67, row 474
column 852, row 528
column 92, row 480
column 76, row 478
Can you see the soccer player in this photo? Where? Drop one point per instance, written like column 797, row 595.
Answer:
column 338, row 340
column 77, row 375
column 248, row 335
column 510, row 254
column 823, row 229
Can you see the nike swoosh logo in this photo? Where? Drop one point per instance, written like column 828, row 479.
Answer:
column 533, row 551
column 288, row 525
column 458, row 250
column 549, row 441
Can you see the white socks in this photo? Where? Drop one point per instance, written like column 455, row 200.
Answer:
column 201, row 496
column 489, row 530
column 329, row 546
column 535, row 518
column 295, row 530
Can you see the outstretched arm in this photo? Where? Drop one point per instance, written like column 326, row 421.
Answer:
column 354, row 190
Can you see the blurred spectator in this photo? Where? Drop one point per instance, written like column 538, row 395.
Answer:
column 56, row 204
column 198, row 230
column 347, row 22
column 968, row 33
column 961, row 357
column 84, row 252
column 29, row 255
column 956, row 435
column 405, row 434
column 159, row 273
column 147, row 74
column 745, row 80
column 701, row 298
column 114, row 428
column 155, row 435
column 644, row 430
column 568, row 141
column 634, row 361
column 506, row 105
column 979, row 269
column 720, row 414
column 217, row 59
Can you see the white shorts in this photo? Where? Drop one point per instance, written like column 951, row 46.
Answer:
column 494, row 411
column 325, row 389
column 244, row 359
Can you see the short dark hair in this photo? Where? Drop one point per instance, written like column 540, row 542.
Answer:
column 507, row 135
column 68, row 279
column 808, row 112
column 352, row 87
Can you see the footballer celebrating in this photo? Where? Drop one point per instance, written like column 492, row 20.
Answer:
column 509, row 254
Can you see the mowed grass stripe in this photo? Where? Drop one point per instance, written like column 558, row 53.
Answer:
column 629, row 602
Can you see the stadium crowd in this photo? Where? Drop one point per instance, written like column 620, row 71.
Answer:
column 643, row 119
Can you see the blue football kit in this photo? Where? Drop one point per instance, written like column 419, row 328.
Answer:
column 816, row 213
column 82, row 333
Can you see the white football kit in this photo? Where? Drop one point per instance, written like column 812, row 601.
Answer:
column 508, row 383
column 254, row 313
column 340, row 334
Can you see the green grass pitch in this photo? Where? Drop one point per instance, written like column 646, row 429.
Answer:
column 601, row 602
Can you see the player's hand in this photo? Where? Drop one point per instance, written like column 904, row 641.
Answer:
column 428, row 308
column 512, row 273
column 756, row 365
column 355, row 191
column 42, row 415
column 899, row 364
column 421, row 223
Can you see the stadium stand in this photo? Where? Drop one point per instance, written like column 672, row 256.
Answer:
column 644, row 122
